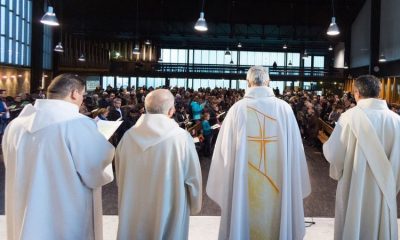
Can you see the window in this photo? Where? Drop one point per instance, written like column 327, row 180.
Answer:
column 122, row 82
column 108, row 81
column 15, row 19
column 319, row 61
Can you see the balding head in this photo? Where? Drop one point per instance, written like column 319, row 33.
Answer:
column 160, row 101
column 257, row 76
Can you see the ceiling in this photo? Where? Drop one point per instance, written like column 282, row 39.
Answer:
column 255, row 23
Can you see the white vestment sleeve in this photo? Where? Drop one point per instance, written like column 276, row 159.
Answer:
column 91, row 153
column 193, row 177
column 335, row 151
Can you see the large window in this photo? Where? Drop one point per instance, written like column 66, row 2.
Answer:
column 213, row 57
column 108, row 81
column 122, row 82
column 319, row 62
column 174, row 55
column 177, row 82
column 262, row 58
column 15, row 31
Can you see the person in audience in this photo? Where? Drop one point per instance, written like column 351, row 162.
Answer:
column 258, row 174
column 158, row 175
column 196, row 108
column 101, row 114
column 364, row 156
column 55, row 160
column 207, row 134
column 115, row 112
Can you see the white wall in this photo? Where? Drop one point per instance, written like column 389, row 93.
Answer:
column 339, row 55
column 360, row 37
column 390, row 29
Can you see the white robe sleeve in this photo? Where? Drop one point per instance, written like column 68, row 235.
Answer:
column 335, row 150
column 193, row 177
column 91, row 153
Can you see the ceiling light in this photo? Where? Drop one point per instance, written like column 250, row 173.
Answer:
column 49, row 18
column 82, row 58
column 290, row 63
column 333, row 29
column 13, row 76
column 345, row 66
column 59, row 48
column 382, row 58
column 239, row 45
column 20, row 75
column 231, row 62
column 136, row 50
column 227, row 52
column 330, row 48
column 147, row 42
column 284, row 46
column 201, row 24
column 4, row 77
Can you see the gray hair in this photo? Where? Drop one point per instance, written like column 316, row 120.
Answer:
column 258, row 76
column 159, row 101
column 368, row 86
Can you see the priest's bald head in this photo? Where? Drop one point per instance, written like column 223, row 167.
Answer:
column 160, row 101
column 366, row 86
column 257, row 76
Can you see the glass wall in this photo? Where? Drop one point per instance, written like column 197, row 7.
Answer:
column 245, row 58
column 319, row 62
column 15, row 31
column 108, row 81
column 122, row 82
column 178, row 82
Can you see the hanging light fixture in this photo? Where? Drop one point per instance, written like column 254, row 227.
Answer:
column 382, row 58
column 201, row 24
column 305, row 54
column 49, row 18
column 333, row 29
column 227, row 52
column 136, row 50
column 59, row 48
column 345, row 66
column 290, row 63
column 82, row 58
column 330, row 48
column 231, row 62
column 147, row 42
column 239, row 45
column 284, row 46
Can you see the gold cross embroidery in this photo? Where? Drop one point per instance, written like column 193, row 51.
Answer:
column 262, row 139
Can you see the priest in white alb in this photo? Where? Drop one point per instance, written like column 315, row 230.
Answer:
column 364, row 156
column 158, row 175
column 258, row 174
column 55, row 161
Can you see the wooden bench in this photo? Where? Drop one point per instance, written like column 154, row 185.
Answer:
column 325, row 130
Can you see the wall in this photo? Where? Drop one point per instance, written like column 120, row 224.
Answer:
column 14, row 80
column 360, row 37
column 390, row 29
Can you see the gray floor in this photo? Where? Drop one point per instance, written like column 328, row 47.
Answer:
column 320, row 203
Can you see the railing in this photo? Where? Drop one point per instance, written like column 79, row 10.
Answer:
column 233, row 69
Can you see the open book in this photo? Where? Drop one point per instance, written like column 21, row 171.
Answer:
column 107, row 128
column 215, row 126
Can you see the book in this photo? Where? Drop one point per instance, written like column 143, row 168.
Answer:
column 215, row 126
column 107, row 128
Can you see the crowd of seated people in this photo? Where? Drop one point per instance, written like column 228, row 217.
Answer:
column 198, row 111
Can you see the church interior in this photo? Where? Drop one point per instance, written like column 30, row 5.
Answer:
column 313, row 50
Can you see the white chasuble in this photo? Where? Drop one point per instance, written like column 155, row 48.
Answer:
column 364, row 154
column 263, row 175
column 258, row 174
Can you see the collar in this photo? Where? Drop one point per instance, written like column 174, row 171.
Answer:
column 259, row 92
column 372, row 103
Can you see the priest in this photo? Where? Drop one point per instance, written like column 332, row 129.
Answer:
column 258, row 174
column 55, row 161
column 158, row 175
column 364, row 156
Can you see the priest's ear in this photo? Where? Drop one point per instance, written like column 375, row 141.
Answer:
column 171, row 112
